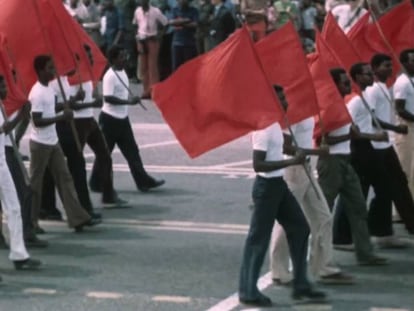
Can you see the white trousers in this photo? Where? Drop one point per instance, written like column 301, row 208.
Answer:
column 320, row 220
column 11, row 209
column 404, row 146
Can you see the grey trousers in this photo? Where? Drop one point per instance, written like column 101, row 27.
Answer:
column 338, row 178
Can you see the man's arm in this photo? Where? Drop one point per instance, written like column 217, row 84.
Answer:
column 10, row 125
column 39, row 121
column 290, row 149
column 402, row 112
column 400, row 129
column 116, row 101
column 261, row 165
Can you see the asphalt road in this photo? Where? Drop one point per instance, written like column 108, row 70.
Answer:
column 179, row 248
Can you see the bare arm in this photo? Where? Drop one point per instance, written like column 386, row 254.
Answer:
column 402, row 112
column 261, row 165
column 39, row 121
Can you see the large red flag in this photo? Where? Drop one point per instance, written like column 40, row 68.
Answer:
column 397, row 26
column 358, row 37
column 331, row 104
column 15, row 97
column 23, row 24
column 218, row 96
column 284, row 62
column 339, row 43
column 75, row 38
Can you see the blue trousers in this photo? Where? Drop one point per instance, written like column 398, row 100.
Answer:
column 273, row 201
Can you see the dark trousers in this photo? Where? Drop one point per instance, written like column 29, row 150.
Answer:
column 119, row 132
column 90, row 133
column 164, row 57
column 273, row 201
column 371, row 171
column 24, row 192
column 182, row 54
column 388, row 173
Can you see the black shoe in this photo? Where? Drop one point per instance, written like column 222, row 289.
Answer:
column 91, row 222
column 309, row 294
column 373, row 261
column 39, row 230
column 95, row 215
column 116, row 201
column 261, row 301
column 27, row 264
column 95, row 188
column 54, row 217
column 153, row 183
column 35, row 242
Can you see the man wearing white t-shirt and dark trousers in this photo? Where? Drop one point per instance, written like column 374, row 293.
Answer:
column 317, row 213
column 338, row 178
column 404, row 104
column 45, row 149
column 274, row 201
column 115, row 123
column 348, row 14
column 148, row 18
column 10, row 202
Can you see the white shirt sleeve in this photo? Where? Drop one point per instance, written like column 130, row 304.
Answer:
column 401, row 90
column 260, row 140
column 354, row 108
column 36, row 102
column 108, row 85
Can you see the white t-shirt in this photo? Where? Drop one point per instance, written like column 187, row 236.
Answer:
column 403, row 89
column 88, row 89
column 303, row 132
column 54, row 84
column 346, row 17
column 148, row 21
column 270, row 140
column 379, row 98
column 360, row 115
column 343, row 147
column 43, row 99
column 7, row 141
column 112, row 86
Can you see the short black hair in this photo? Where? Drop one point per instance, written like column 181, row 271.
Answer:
column 40, row 62
column 357, row 69
column 336, row 73
column 404, row 55
column 378, row 59
column 114, row 52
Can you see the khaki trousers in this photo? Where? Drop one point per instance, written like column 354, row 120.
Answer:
column 404, row 145
column 319, row 217
column 43, row 156
column 148, row 64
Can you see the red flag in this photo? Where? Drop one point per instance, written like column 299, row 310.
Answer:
column 397, row 26
column 284, row 62
column 218, row 96
column 339, row 43
column 75, row 38
column 358, row 37
column 23, row 24
column 331, row 104
column 15, row 97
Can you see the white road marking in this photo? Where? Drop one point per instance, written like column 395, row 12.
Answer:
column 177, row 226
column 175, row 299
column 225, row 165
column 240, row 172
column 40, row 291
column 387, row 309
column 150, row 126
column 104, row 295
column 312, row 307
column 163, row 143
column 232, row 301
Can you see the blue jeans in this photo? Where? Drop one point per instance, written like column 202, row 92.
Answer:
column 273, row 201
